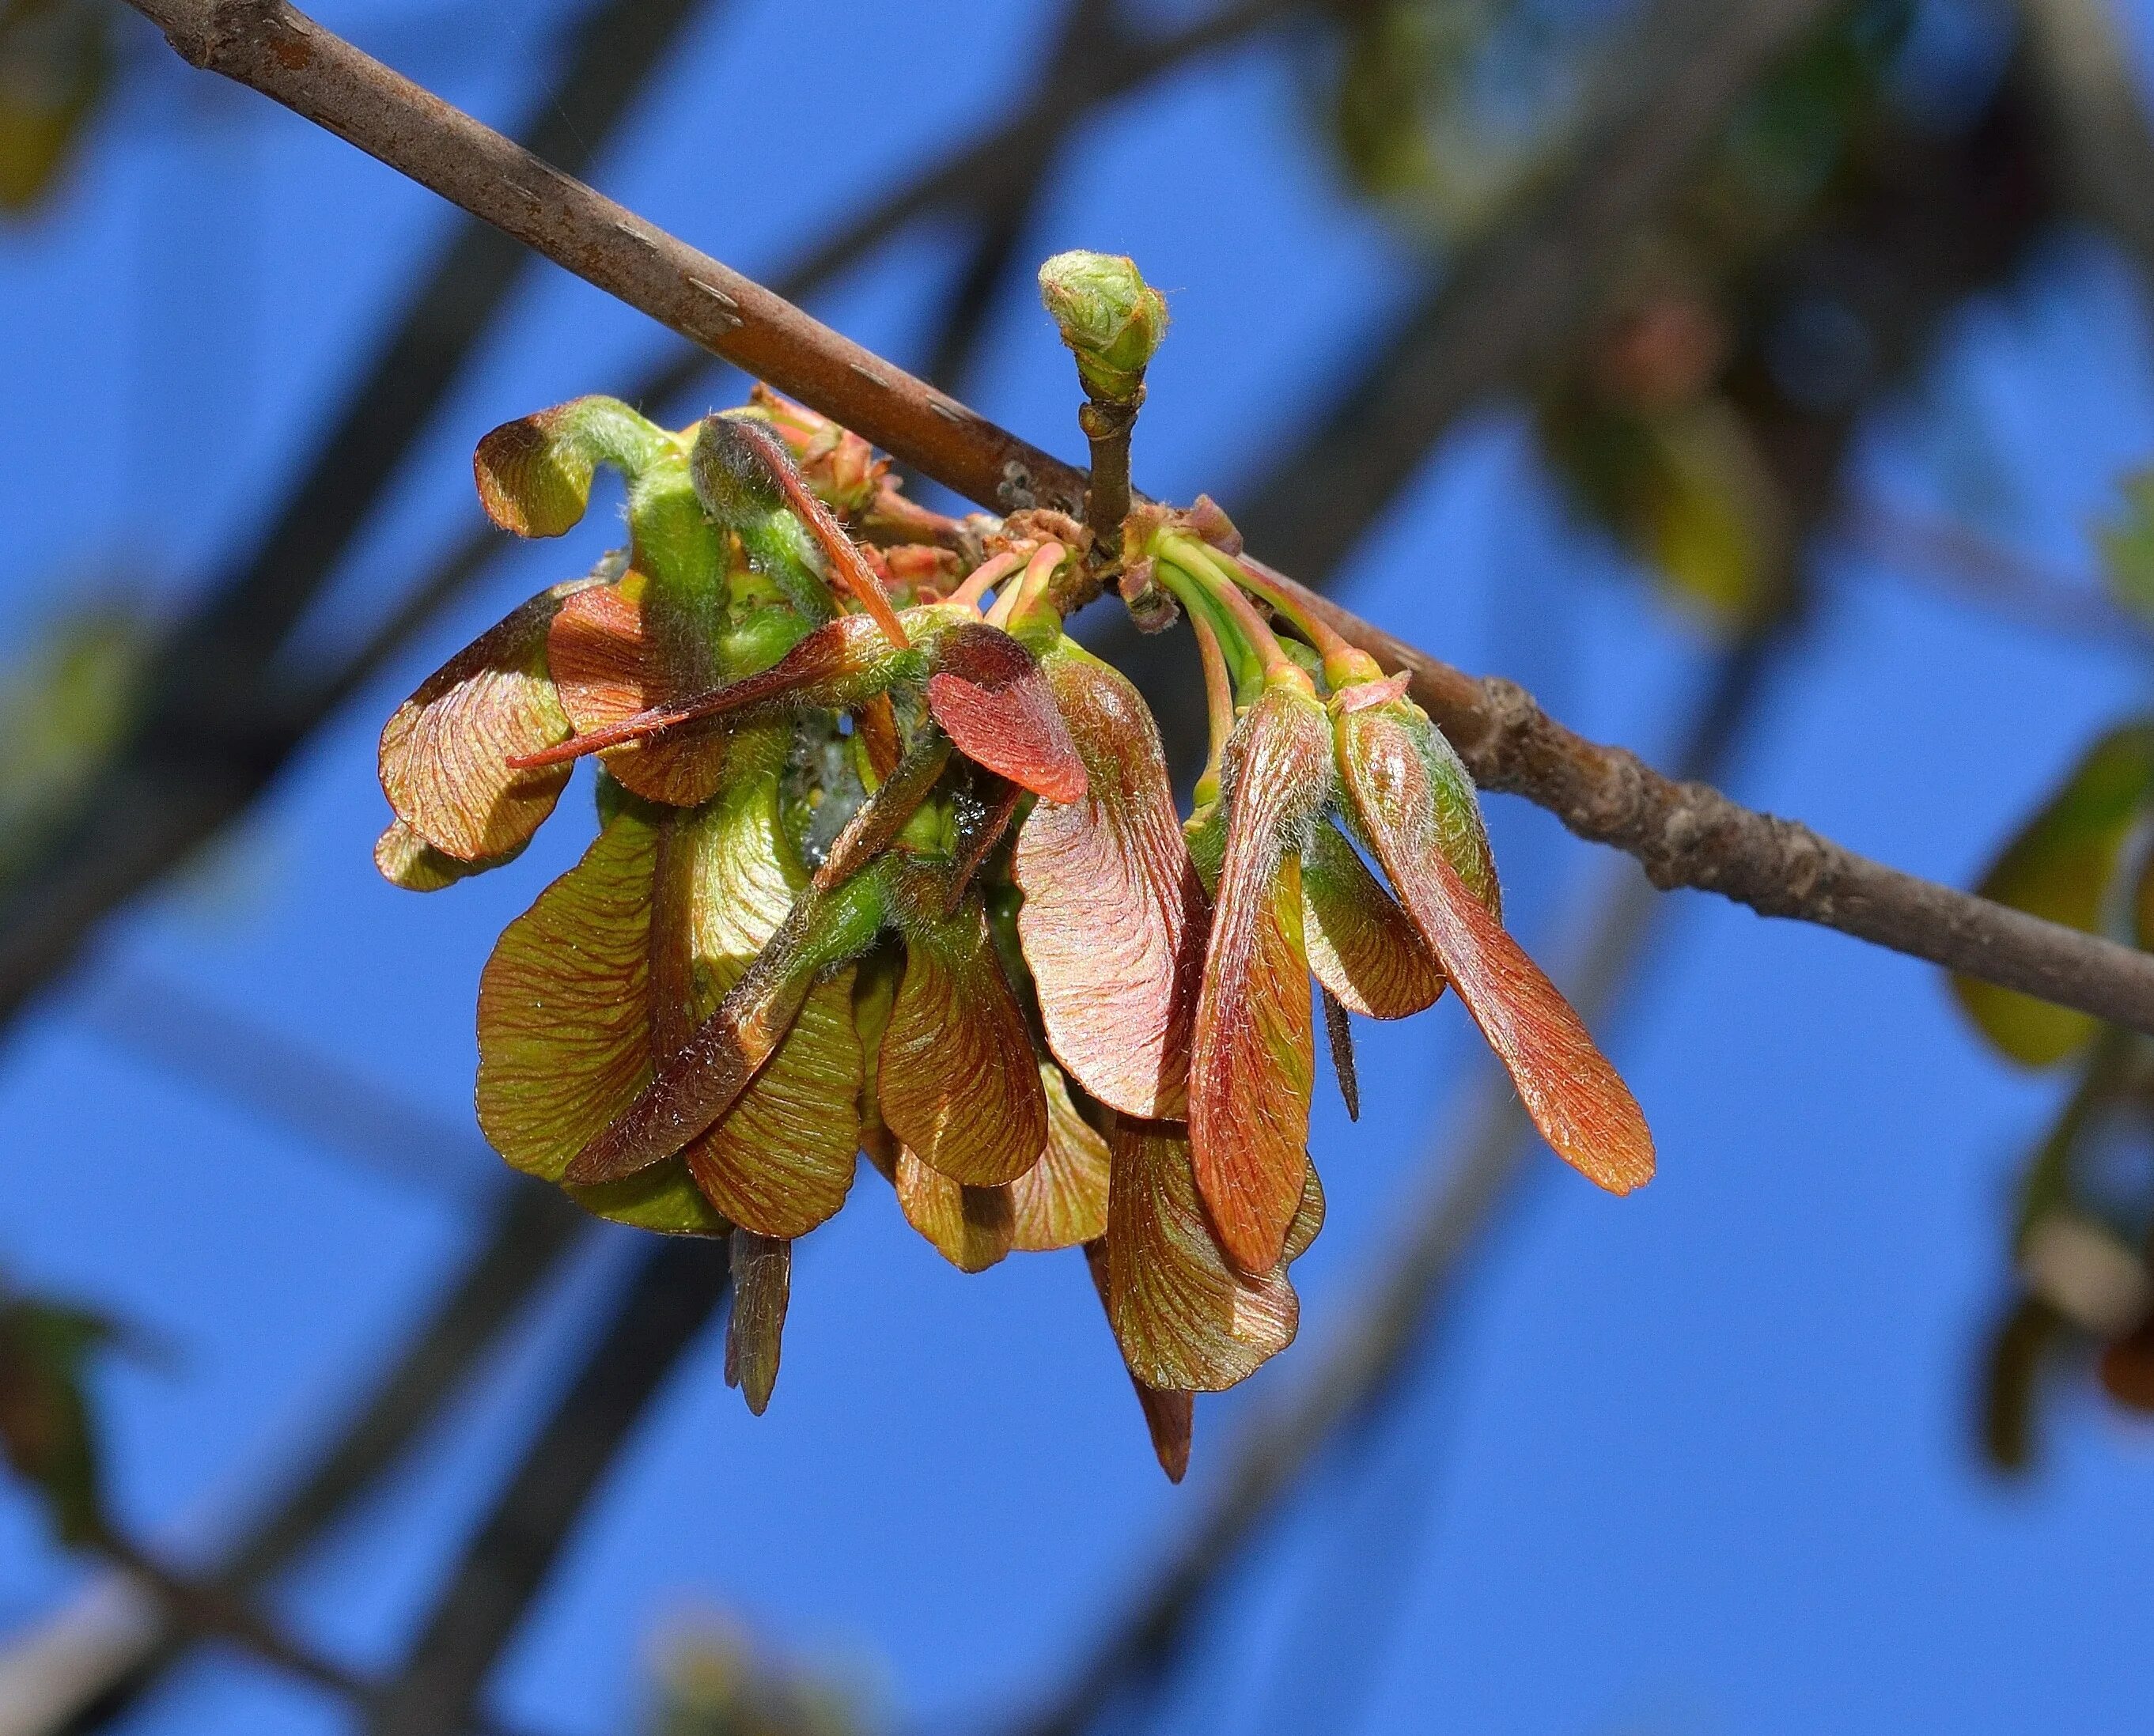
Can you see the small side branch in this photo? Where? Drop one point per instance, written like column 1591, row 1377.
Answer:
column 209, row 1610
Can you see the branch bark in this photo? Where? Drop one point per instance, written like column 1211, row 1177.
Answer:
column 1686, row 834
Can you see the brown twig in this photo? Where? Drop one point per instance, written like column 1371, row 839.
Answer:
column 209, row 1610
column 1687, row 835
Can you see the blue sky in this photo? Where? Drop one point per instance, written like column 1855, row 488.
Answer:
column 1696, row 1462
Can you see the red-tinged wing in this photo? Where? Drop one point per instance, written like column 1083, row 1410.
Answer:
column 1253, row 1060
column 1113, row 918
column 565, row 1040
column 1186, row 1319
column 446, row 752
column 565, row 1036
column 706, row 1076
column 607, row 672
column 1061, row 1202
column 972, row 1228
column 990, row 697
column 1361, row 946
column 534, row 474
column 957, row 1078
column 840, row 664
column 781, row 1160
column 1575, row 1097
column 404, row 859
column 1170, row 1417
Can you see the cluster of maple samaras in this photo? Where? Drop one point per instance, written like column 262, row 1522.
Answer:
column 888, row 864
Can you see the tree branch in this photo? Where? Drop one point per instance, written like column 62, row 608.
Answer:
column 671, row 1296
column 209, row 1610
column 1950, row 558
column 1687, row 835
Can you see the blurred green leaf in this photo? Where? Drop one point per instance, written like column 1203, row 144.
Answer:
column 2127, row 547
column 1798, row 130
column 1445, row 110
column 47, row 1430
column 62, row 704
column 1681, row 485
column 1715, row 530
column 2061, row 867
column 56, row 65
column 2047, row 1184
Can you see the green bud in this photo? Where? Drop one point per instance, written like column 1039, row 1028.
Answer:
column 1108, row 315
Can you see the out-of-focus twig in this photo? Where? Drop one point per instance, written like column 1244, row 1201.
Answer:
column 94, row 1655
column 208, row 1610
column 264, row 1072
column 1945, row 556
column 1520, row 299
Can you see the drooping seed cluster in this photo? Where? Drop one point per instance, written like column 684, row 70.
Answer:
column 887, row 864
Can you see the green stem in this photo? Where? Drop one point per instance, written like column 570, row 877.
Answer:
column 1218, row 704
column 1337, row 654
column 1199, row 601
column 1186, row 555
column 1022, row 599
column 984, row 579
